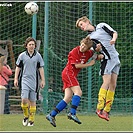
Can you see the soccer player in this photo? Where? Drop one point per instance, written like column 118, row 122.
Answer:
column 30, row 66
column 110, row 64
column 77, row 59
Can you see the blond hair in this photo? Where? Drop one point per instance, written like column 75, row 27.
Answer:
column 2, row 59
column 84, row 19
column 87, row 41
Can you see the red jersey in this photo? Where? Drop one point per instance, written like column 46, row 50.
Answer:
column 5, row 73
column 70, row 72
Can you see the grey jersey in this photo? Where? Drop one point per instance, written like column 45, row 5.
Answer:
column 103, row 34
column 29, row 65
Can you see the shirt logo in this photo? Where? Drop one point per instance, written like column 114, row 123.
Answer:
column 82, row 62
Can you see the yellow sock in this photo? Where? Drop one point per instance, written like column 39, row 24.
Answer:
column 25, row 108
column 32, row 113
column 101, row 98
column 109, row 100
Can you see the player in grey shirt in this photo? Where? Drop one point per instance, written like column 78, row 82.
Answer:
column 29, row 67
column 106, row 36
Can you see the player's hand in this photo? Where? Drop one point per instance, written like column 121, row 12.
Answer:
column 112, row 41
column 15, row 82
column 42, row 84
column 98, row 47
column 100, row 57
column 92, row 62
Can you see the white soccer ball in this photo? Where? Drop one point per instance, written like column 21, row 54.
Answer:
column 31, row 8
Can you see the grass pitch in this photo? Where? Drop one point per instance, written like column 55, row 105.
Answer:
column 13, row 122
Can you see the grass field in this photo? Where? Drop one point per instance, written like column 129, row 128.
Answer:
column 13, row 122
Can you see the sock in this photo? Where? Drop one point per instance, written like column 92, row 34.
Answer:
column 32, row 113
column 101, row 98
column 60, row 106
column 75, row 103
column 109, row 100
column 25, row 108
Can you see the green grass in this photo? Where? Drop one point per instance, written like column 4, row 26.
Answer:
column 13, row 122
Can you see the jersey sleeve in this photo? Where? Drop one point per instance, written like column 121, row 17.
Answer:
column 107, row 28
column 19, row 61
column 41, row 61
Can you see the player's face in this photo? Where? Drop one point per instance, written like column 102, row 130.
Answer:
column 31, row 46
column 83, row 47
column 86, row 26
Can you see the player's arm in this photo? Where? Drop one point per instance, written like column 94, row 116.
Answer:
column 42, row 83
column 92, row 62
column 17, row 70
column 113, row 40
column 111, row 32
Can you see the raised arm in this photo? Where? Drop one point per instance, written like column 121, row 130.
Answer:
column 113, row 40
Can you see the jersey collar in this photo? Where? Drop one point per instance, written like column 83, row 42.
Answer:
column 32, row 54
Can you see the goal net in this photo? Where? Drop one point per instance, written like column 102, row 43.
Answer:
column 56, row 30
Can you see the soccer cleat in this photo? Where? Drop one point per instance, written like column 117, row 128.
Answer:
column 51, row 119
column 98, row 112
column 104, row 115
column 30, row 124
column 25, row 121
column 74, row 118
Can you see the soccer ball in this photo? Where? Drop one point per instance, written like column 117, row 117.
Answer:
column 31, row 8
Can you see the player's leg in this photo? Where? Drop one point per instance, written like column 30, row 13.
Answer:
column 111, row 90
column 60, row 106
column 109, row 97
column 75, row 103
column 102, row 92
column 25, row 106
column 32, row 112
column 75, row 99
column 63, row 103
column 32, row 109
column 112, row 87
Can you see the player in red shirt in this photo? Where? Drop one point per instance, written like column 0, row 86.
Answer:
column 77, row 59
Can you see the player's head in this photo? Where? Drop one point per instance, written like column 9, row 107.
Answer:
column 82, row 23
column 85, row 44
column 30, row 39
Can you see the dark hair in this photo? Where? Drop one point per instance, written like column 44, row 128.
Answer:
column 28, row 40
